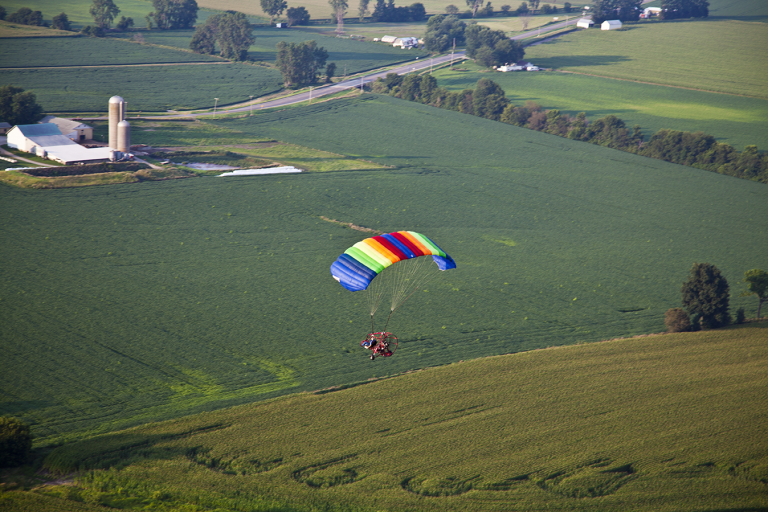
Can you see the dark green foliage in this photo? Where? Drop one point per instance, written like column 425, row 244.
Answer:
column 488, row 99
column 522, row 9
column 442, row 31
column 567, row 7
column 26, row 16
column 18, row 106
column 297, row 16
column 677, row 320
column 230, row 30
column 491, row 47
column 103, row 12
column 624, row 10
column 61, row 22
column 124, row 23
column 3, row 12
column 740, row 316
column 330, row 72
column 703, row 151
column 90, row 31
column 174, row 14
column 387, row 11
column 706, row 293
column 757, row 284
column 15, row 442
column 300, row 63
column 273, row 8
column 417, row 12
column 674, row 9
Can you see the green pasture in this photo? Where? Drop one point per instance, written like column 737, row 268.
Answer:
column 662, row 423
column 145, row 88
column 13, row 30
column 717, row 55
column 744, row 10
column 734, row 120
column 133, row 303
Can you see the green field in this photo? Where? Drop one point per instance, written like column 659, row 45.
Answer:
column 145, row 88
column 734, row 120
column 663, row 423
column 681, row 54
column 86, row 51
column 133, row 303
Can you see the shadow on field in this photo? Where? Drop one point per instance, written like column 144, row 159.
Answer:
column 121, row 449
column 581, row 60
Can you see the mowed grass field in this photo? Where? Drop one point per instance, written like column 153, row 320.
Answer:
column 127, row 304
column 661, row 423
column 713, row 55
column 734, row 120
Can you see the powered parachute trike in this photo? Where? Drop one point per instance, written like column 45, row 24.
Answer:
column 395, row 264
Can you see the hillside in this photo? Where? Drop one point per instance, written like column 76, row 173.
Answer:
column 659, row 423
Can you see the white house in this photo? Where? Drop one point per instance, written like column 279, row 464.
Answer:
column 75, row 130
column 46, row 140
column 585, row 23
column 610, row 25
column 406, row 42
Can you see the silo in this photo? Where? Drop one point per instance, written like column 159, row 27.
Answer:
column 124, row 136
column 116, row 114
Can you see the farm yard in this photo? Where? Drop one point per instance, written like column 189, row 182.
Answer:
column 200, row 313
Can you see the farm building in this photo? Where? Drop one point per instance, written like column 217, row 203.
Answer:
column 585, row 23
column 610, row 25
column 75, row 130
column 47, row 141
column 388, row 39
column 406, row 42
column 4, row 127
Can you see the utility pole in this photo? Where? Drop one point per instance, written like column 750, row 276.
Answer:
column 215, row 102
column 310, row 95
column 361, row 85
column 251, row 105
column 453, row 50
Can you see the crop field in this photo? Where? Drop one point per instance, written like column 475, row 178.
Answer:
column 83, row 51
column 744, row 10
column 132, row 303
column 661, row 423
column 672, row 53
column 13, row 30
column 734, row 120
column 145, row 88
column 77, row 10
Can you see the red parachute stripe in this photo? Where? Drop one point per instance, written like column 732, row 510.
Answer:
column 391, row 247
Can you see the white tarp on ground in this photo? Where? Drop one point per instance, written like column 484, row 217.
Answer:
column 257, row 172
column 72, row 153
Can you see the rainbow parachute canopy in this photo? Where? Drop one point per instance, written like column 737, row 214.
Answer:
column 361, row 263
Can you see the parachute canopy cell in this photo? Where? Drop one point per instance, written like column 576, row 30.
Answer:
column 361, row 263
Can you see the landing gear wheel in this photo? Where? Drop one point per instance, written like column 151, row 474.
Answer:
column 373, row 356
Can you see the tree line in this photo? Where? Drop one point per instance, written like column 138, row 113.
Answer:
column 489, row 100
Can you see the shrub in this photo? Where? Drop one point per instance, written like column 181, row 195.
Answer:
column 677, row 320
column 740, row 317
column 15, row 442
column 707, row 293
column 61, row 22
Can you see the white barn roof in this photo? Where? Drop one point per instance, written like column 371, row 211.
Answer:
column 65, row 125
column 610, row 25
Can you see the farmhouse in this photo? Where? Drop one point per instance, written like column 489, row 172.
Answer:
column 75, row 130
column 610, row 25
column 47, row 141
column 585, row 23
column 406, row 42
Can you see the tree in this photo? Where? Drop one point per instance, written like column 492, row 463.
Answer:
column 104, row 12
column 18, row 106
column 505, row 9
column 417, row 12
column 474, row 5
column 706, row 293
column 442, row 31
column 339, row 9
column 92, row 31
column 297, row 16
column 61, row 22
column 230, row 30
column 273, row 8
column 362, row 9
column 26, row 16
column 3, row 12
column 534, row 5
column 174, row 14
column 124, row 23
column 452, row 10
column 15, row 442
column 330, row 72
column 677, row 320
column 491, row 47
column 489, row 99
column 673, row 9
column 522, row 9
column 300, row 63
column 757, row 284
column 567, row 7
